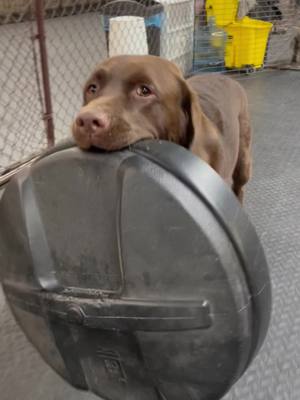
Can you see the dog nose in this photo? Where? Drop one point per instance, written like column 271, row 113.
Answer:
column 91, row 122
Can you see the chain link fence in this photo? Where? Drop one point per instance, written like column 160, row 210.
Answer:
column 21, row 131
column 80, row 33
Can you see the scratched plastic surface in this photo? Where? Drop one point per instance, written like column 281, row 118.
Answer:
column 136, row 274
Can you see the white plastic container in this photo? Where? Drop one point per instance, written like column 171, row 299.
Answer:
column 127, row 35
column 177, row 33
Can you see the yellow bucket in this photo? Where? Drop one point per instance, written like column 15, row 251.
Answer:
column 224, row 11
column 246, row 43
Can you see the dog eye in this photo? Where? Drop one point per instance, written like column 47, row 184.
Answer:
column 92, row 88
column 144, row 91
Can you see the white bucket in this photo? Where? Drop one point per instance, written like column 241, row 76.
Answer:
column 127, row 35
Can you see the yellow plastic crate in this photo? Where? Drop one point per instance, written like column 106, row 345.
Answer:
column 246, row 43
column 224, row 11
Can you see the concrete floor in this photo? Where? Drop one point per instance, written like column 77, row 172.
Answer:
column 274, row 207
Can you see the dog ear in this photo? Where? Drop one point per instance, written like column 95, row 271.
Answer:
column 201, row 135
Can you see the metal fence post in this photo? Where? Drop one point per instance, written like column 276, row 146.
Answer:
column 41, row 37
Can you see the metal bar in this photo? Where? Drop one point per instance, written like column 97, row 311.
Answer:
column 11, row 173
column 41, row 37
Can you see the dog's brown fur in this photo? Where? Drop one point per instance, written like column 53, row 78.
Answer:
column 206, row 114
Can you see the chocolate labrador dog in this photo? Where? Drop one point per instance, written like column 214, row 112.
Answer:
column 129, row 98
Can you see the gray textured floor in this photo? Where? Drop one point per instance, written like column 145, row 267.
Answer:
column 274, row 206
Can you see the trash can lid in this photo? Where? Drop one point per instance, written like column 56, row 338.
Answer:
column 136, row 274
